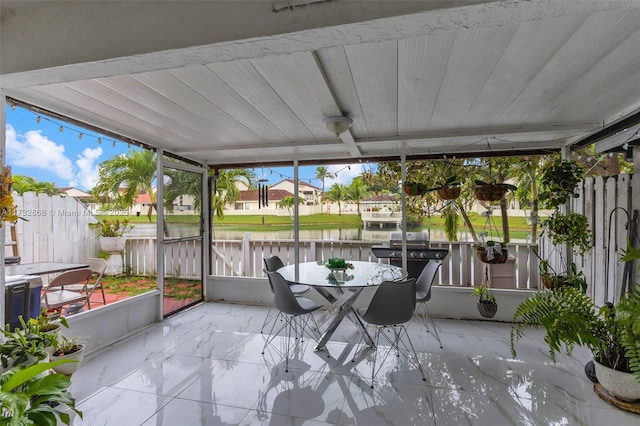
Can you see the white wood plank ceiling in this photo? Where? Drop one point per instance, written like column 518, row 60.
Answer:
column 521, row 84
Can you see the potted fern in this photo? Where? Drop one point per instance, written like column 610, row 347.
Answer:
column 612, row 333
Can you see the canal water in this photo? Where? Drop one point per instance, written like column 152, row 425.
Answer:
column 185, row 230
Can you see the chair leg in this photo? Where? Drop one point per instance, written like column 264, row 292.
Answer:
column 401, row 346
column 424, row 315
column 270, row 314
column 271, row 334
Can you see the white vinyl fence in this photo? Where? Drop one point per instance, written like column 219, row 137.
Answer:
column 55, row 228
column 608, row 203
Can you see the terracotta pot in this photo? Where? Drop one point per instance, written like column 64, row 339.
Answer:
column 450, row 193
column 491, row 192
column 623, row 386
column 487, row 310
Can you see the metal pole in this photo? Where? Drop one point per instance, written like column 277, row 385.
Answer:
column 296, row 221
column 403, row 198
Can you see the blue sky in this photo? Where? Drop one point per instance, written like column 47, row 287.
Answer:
column 36, row 147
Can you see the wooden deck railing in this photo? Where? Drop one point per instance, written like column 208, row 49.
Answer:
column 244, row 257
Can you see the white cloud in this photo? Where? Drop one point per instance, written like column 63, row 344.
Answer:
column 32, row 149
column 346, row 173
column 87, row 175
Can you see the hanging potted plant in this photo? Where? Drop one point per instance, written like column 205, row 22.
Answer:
column 487, row 305
column 492, row 191
column 449, row 189
column 414, row 188
column 559, row 182
column 492, row 252
column 571, row 278
column 571, row 229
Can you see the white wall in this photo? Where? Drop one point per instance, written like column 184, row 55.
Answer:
column 446, row 302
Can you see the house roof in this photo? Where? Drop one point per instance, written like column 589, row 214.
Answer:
column 143, row 199
column 301, row 183
column 75, row 192
column 249, row 83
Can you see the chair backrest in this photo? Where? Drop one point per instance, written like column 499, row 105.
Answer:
column 283, row 297
column 393, row 303
column 97, row 265
column 273, row 263
column 76, row 276
column 425, row 280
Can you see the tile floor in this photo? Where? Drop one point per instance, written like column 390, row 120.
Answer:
column 204, row 367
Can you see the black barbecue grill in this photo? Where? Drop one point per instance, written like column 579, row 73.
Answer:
column 418, row 252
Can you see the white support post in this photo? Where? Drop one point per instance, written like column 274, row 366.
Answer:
column 403, row 198
column 160, row 229
column 3, row 126
column 296, row 221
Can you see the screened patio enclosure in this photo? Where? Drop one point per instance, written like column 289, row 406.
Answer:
column 242, row 84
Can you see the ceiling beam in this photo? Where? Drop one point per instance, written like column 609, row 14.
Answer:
column 611, row 130
column 580, row 128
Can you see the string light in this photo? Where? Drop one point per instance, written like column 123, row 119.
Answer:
column 62, row 128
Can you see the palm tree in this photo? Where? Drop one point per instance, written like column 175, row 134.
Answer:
column 337, row 193
column 527, row 182
column 288, row 202
column 22, row 184
column 182, row 183
column 226, row 191
column 357, row 191
column 323, row 173
column 122, row 178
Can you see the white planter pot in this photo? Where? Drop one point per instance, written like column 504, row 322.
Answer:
column 622, row 385
column 70, row 368
column 112, row 244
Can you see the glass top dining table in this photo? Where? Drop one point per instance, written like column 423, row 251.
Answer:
column 330, row 284
column 363, row 274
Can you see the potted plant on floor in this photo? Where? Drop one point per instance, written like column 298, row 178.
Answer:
column 111, row 239
column 68, row 349
column 23, row 346
column 29, row 396
column 612, row 333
